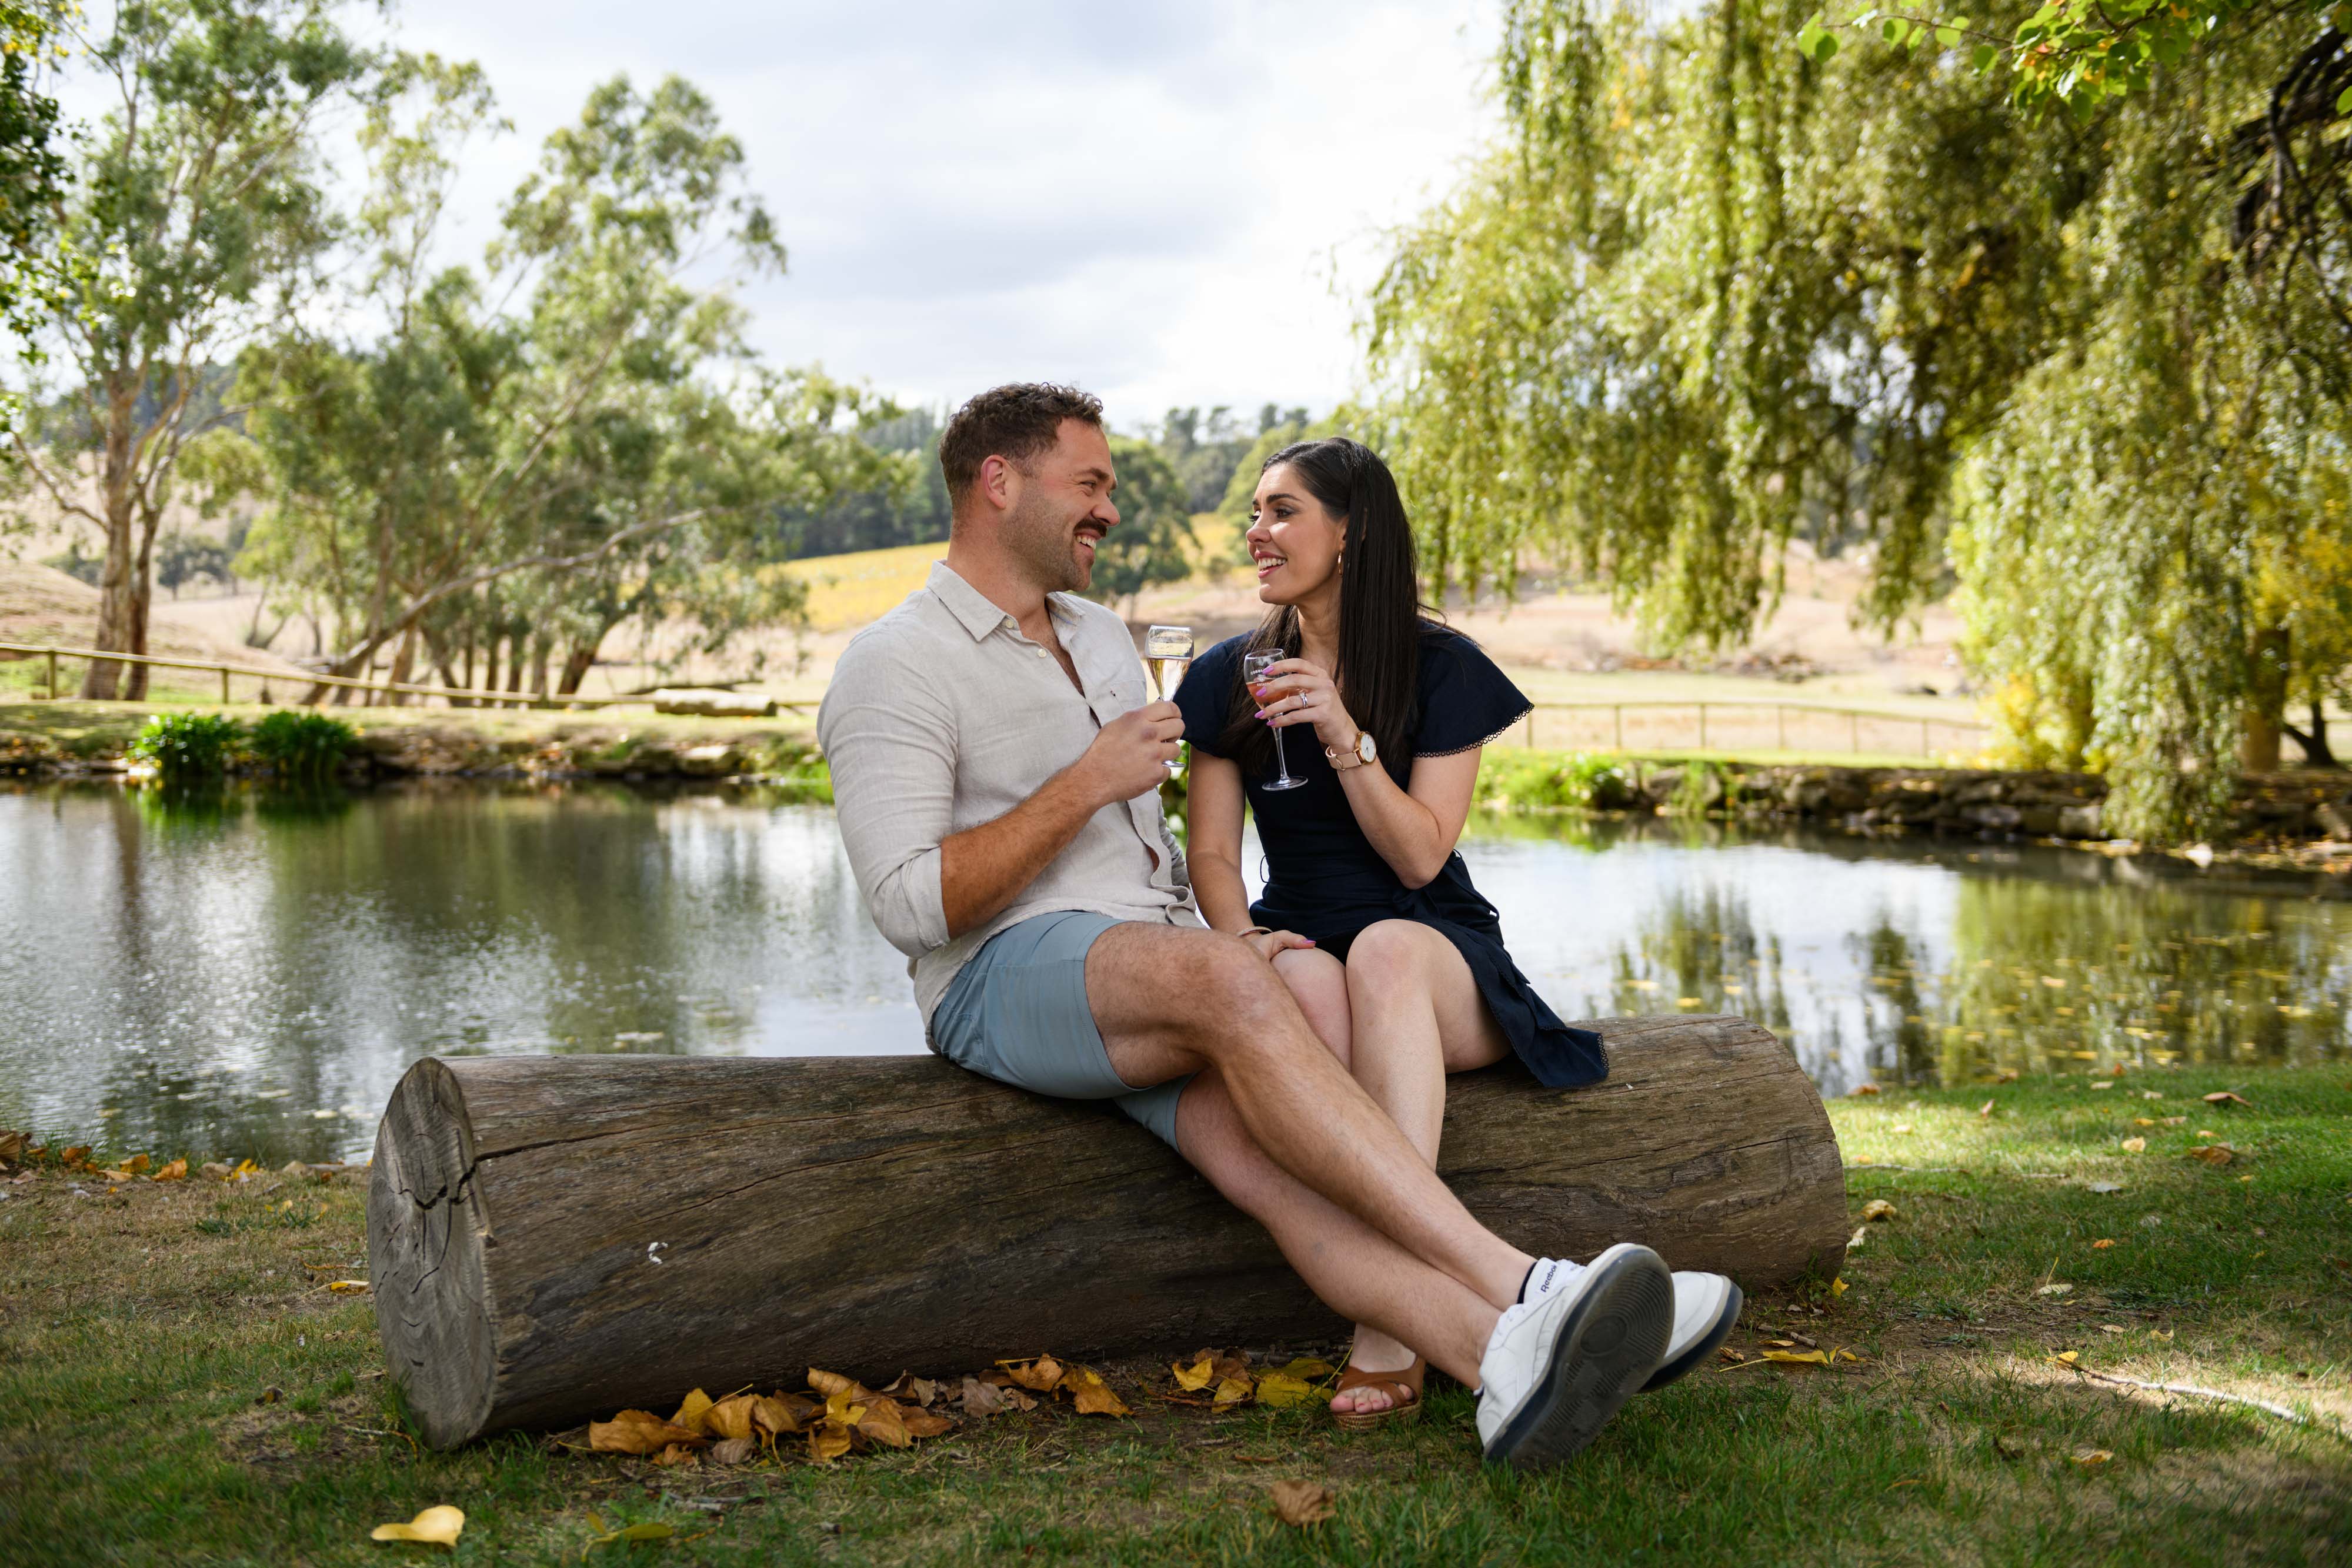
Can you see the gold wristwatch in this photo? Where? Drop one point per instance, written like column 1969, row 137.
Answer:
column 1355, row 756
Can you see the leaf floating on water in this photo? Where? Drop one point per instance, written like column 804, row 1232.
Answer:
column 1302, row 1503
column 1877, row 1210
column 437, row 1526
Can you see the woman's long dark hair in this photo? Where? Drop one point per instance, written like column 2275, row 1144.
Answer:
column 1382, row 617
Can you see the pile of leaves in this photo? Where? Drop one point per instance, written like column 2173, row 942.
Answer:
column 836, row 1415
column 1224, row 1380
column 20, row 1154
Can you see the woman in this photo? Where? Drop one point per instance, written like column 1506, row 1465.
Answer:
column 1396, row 959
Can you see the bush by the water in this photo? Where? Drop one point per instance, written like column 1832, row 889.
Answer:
column 184, row 746
column 1582, row 781
column 300, row 745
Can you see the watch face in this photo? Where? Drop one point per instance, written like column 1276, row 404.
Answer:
column 1366, row 750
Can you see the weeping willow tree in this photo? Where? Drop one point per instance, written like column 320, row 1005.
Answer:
column 1711, row 294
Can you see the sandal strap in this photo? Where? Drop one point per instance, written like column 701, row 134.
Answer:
column 1401, row 1383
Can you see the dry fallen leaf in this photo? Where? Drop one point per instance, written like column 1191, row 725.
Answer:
column 2143, row 1121
column 136, row 1165
column 1861, row 1234
column 1041, row 1375
column 637, row 1432
column 1902, row 1127
column 980, row 1398
column 2069, row 1357
column 1802, row 1358
column 348, row 1287
column 731, row 1418
column 1280, row 1389
column 1864, row 1089
column 177, row 1171
column 644, row 1529
column 827, row 1443
column 2086, row 1457
column 2135, row 1145
column 1302, row 1503
column 773, row 1414
column 2212, row 1153
column 677, row 1454
column 1092, row 1395
column 2103, row 1243
column 832, row 1382
column 2103, row 1083
column 2059, row 1288
column 734, row 1451
column 882, row 1420
column 1877, row 1209
column 215, row 1170
column 1194, row 1378
column 437, row 1526
column 2223, row 1097
column 693, row 1415
column 1233, row 1390
column 843, row 1410
column 926, row 1423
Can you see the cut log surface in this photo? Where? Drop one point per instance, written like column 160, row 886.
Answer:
column 552, row 1237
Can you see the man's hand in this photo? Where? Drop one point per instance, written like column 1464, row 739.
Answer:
column 1129, row 754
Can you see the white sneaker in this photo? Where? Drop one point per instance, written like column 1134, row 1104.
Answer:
column 1557, row 1367
column 1705, row 1306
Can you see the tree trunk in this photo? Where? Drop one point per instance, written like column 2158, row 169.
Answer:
column 2258, row 746
column 578, row 661
column 2316, row 752
column 551, row 1237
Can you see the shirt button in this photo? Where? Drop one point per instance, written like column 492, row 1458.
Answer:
column 1041, row 653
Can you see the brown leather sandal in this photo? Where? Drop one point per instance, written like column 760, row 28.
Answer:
column 1402, row 1386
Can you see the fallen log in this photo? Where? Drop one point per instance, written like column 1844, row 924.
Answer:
column 554, row 1236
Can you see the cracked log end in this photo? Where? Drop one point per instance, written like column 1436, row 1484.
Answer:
column 555, row 1237
column 426, row 1240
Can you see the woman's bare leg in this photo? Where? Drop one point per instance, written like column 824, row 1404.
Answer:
column 1415, row 1015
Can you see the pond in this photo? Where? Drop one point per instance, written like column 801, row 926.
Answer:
column 249, row 975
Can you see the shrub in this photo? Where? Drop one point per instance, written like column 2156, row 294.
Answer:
column 183, row 747
column 1582, row 781
column 301, row 744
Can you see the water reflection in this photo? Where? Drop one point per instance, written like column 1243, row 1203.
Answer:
column 236, row 972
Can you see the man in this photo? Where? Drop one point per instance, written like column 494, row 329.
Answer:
column 996, row 773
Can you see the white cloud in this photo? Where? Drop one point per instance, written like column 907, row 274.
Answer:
column 1149, row 199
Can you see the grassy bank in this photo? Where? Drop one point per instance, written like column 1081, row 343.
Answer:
column 142, row 1326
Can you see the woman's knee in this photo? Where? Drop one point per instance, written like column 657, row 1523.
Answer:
column 1318, row 983
column 1389, row 958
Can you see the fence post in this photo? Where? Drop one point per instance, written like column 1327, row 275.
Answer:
column 1781, row 720
column 1853, row 730
column 1618, row 709
column 53, row 675
column 1701, row 726
column 1923, row 740
column 223, row 684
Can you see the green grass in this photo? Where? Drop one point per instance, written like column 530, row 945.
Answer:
column 138, row 1330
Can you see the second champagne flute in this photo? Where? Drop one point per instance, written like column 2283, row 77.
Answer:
column 1253, row 669
column 1167, row 654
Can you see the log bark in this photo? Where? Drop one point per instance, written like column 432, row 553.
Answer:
column 553, row 1237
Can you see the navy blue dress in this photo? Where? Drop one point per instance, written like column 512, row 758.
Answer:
column 1324, row 879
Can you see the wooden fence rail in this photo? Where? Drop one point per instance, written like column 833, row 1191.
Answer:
column 479, row 697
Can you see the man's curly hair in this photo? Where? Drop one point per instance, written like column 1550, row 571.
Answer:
column 1015, row 422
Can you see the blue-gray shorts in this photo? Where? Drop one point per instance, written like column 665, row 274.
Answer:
column 1017, row 1013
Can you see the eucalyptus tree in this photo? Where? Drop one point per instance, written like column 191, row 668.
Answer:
column 32, row 175
column 574, row 434
column 1153, row 541
column 194, row 219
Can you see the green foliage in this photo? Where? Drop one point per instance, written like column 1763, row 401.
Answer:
column 187, row 747
column 1153, row 541
column 299, row 744
column 33, row 176
column 2081, row 56
column 1581, row 780
column 181, row 557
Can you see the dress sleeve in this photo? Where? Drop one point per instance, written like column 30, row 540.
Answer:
column 1465, row 700
column 1203, row 696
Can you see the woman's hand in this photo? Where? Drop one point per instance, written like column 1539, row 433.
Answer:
column 1266, row 943
column 1300, row 691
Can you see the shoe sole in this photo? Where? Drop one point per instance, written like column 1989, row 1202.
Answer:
column 1708, row 1344
column 1614, row 1335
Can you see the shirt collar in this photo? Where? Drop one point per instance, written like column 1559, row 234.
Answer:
column 978, row 613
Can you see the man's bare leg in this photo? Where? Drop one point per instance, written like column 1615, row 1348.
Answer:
column 1351, row 1267
column 1173, row 1000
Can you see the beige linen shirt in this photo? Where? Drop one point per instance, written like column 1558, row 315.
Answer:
column 942, row 716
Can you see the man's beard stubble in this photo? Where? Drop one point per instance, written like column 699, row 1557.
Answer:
column 1044, row 542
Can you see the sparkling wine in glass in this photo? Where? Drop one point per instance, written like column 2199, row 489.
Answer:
column 1253, row 669
column 1168, row 653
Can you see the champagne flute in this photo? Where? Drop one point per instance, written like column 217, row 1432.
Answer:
column 1167, row 654
column 1253, row 669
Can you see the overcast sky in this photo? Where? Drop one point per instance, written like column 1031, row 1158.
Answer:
column 1151, row 199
